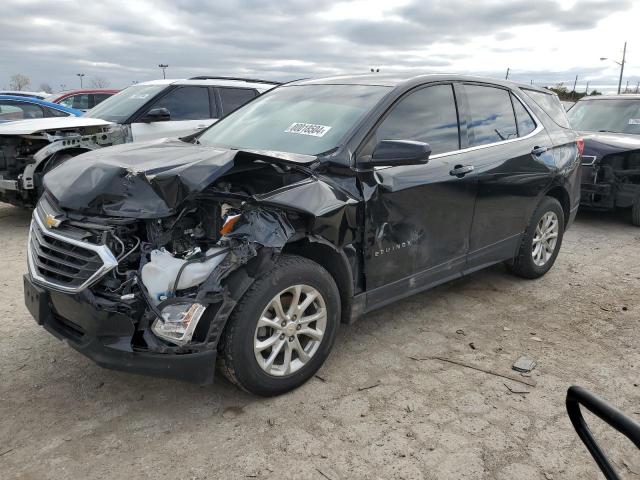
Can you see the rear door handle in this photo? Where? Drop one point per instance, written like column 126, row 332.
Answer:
column 461, row 170
column 539, row 150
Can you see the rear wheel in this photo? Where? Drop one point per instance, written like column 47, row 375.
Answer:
column 635, row 211
column 541, row 241
column 283, row 328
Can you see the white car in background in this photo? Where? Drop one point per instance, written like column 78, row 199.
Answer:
column 146, row 111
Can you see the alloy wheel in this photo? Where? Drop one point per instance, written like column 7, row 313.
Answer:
column 290, row 330
column 545, row 239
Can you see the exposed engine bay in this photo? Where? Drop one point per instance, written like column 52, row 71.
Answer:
column 170, row 270
column 26, row 157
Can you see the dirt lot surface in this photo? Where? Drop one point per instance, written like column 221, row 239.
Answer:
column 372, row 412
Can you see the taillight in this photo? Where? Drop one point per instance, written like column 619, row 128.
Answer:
column 580, row 145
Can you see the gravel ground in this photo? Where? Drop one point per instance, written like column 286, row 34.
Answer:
column 372, row 412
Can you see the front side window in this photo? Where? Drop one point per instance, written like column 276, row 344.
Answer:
column 186, row 103
column 52, row 112
column 427, row 115
column 122, row 105
column 20, row 111
column 618, row 116
column 491, row 115
column 234, row 98
column 10, row 112
column 306, row 119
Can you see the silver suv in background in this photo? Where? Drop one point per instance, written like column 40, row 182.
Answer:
column 142, row 112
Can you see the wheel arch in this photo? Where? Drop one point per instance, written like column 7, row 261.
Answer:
column 560, row 193
column 334, row 261
column 73, row 151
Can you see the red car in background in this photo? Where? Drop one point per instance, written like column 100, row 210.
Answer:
column 84, row 99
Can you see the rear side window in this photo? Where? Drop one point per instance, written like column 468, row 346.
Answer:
column 99, row 97
column 52, row 112
column 186, row 103
column 491, row 115
column 234, row 98
column 427, row 115
column 526, row 124
column 551, row 105
column 79, row 102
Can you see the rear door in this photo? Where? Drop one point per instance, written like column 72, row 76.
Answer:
column 512, row 159
column 190, row 108
column 417, row 223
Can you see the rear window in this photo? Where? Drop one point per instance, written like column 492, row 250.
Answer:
column 551, row 105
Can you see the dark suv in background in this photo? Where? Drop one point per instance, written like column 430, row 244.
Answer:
column 610, row 126
column 313, row 204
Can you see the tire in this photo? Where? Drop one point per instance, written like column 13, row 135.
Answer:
column 241, row 359
column 531, row 263
column 635, row 211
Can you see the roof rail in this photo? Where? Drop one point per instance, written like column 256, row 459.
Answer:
column 239, row 79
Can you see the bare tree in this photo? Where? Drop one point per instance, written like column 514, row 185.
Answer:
column 45, row 87
column 19, row 82
column 100, row 82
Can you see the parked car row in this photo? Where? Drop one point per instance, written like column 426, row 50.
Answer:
column 146, row 111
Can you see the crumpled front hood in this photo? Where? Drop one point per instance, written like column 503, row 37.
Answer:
column 36, row 125
column 610, row 141
column 145, row 180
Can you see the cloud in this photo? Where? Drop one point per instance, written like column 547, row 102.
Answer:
column 125, row 41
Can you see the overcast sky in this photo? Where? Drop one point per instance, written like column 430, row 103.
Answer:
column 547, row 41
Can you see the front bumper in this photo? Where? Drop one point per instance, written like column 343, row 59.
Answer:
column 106, row 337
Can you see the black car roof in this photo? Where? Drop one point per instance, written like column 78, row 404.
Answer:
column 395, row 80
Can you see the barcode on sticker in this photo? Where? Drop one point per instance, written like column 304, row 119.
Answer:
column 308, row 129
column 634, row 121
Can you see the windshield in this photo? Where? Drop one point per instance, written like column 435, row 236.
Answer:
column 304, row 119
column 618, row 116
column 119, row 107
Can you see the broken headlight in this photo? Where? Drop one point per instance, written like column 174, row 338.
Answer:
column 178, row 322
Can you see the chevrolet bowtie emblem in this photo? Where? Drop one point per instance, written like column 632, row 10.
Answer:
column 52, row 221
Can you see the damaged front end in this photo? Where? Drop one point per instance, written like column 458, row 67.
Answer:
column 29, row 149
column 140, row 268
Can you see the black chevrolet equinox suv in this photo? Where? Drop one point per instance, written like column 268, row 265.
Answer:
column 247, row 244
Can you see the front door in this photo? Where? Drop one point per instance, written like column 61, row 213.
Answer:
column 190, row 108
column 418, row 217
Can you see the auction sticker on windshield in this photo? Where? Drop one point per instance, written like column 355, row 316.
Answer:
column 308, row 129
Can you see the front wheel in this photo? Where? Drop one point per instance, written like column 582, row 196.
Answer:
column 541, row 241
column 282, row 329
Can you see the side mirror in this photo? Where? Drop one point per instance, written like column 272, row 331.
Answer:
column 400, row 152
column 157, row 115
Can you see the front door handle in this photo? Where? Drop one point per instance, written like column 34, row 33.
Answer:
column 539, row 150
column 461, row 170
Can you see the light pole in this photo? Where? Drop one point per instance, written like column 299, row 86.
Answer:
column 624, row 55
column 163, row 66
column 80, row 75
column 506, row 77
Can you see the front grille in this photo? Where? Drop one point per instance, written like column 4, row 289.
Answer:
column 65, row 263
